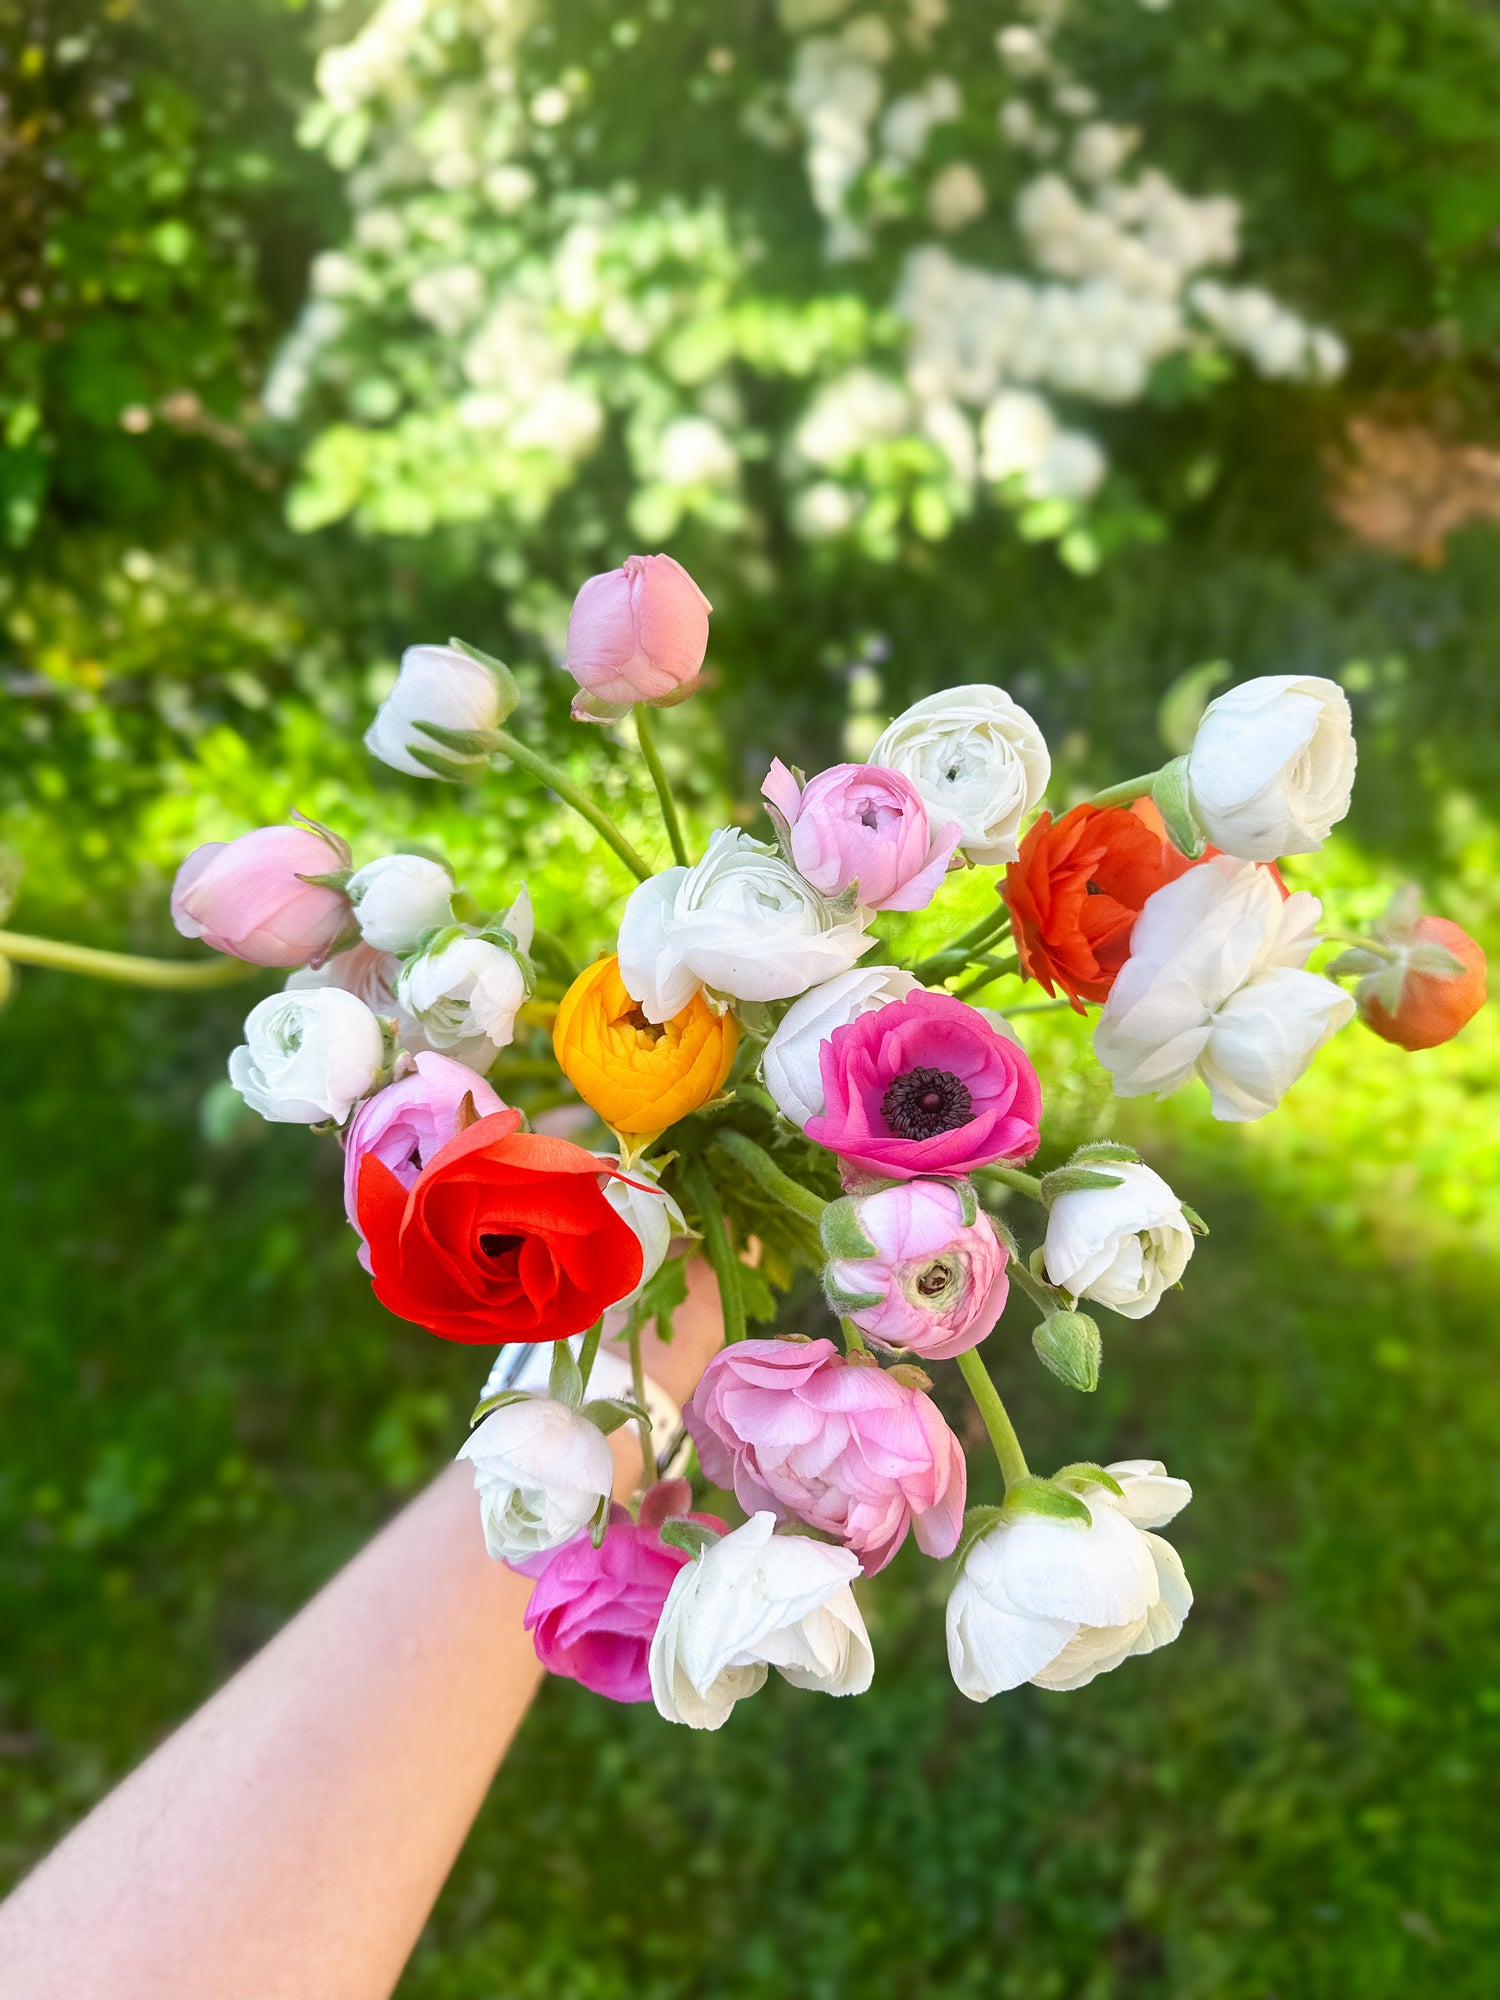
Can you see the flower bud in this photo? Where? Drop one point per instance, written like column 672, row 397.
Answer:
column 262, row 897
column 1068, row 1343
column 449, row 689
column 637, row 633
column 398, row 897
column 1434, row 987
column 308, row 1056
column 470, row 983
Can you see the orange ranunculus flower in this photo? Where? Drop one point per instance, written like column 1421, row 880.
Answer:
column 1431, row 1007
column 1076, row 889
column 638, row 1077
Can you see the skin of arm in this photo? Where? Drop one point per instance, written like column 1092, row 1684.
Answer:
column 290, row 1839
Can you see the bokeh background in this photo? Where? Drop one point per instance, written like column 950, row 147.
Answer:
column 1068, row 346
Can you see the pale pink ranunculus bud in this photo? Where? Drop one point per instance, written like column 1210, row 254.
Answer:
column 916, row 1266
column 637, row 633
column 252, row 898
column 859, row 825
column 408, row 1122
column 796, row 1428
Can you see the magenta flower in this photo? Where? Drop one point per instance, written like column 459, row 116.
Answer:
column 860, row 824
column 925, row 1085
column 637, row 633
column 594, row 1612
column 844, row 1447
column 252, row 898
column 916, row 1266
column 406, row 1123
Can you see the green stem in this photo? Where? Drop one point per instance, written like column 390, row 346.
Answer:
column 854, row 1340
column 645, row 735
column 558, row 781
column 1026, row 1184
column 716, row 1243
column 1371, row 945
column 757, row 1162
column 170, row 975
column 1122, row 794
column 1043, row 1297
column 956, row 954
column 1002, row 1431
column 638, row 1391
column 996, row 969
column 588, row 1350
column 1039, row 1007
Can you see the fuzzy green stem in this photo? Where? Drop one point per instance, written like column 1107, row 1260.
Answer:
column 720, row 1251
column 1123, row 793
column 1012, row 1177
column 955, row 955
column 1043, row 1297
column 588, row 1350
column 638, row 1391
column 997, row 968
column 1002, row 1431
column 1371, row 945
column 645, row 735
column 1038, row 1007
column 558, row 781
column 758, row 1163
column 166, row 974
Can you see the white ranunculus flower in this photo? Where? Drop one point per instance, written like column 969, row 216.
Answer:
column 742, row 922
column 652, row 1213
column 465, row 984
column 308, row 1056
column 398, row 897
column 1272, row 766
column 790, row 1064
column 436, row 684
column 1214, row 983
column 1055, row 1602
column 1121, row 1246
column 541, row 1472
column 975, row 756
column 754, row 1600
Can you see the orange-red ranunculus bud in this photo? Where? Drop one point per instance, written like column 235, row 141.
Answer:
column 1432, row 1006
column 638, row 1077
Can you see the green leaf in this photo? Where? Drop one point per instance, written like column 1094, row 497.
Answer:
column 841, row 1234
column 1044, row 1497
column 1172, row 799
column 1076, row 1180
column 689, row 1535
column 659, row 1299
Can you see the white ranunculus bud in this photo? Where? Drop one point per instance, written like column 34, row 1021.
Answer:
column 437, row 684
column 541, row 1472
column 742, row 922
column 975, row 756
column 1214, row 983
column 1121, row 1246
column 1272, row 766
column 398, row 897
column 790, row 1065
column 469, row 983
column 651, row 1212
column 1054, row 1602
column 308, row 1056
column 754, row 1600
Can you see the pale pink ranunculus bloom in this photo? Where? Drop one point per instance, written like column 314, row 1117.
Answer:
column 248, row 897
column 637, row 633
column 405, row 1124
column 859, row 824
column 797, row 1429
column 941, row 1280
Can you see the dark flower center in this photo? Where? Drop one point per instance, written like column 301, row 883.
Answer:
column 1092, row 889
column 925, row 1102
column 496, row 1246
column 935, row 1279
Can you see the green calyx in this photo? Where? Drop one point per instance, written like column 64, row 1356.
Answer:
column 1047, row 1499
column 842, row 1236
column 1068, row 1345
column 1075, row 1180
column 1173, row 800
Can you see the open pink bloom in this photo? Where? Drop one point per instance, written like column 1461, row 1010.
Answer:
column 859, row 823
column 925, row 1085
column 797, row 1429
column 249, row 897
column 936, row 1283
column 637, row 633
column 594, row 1612
column 405, row 1124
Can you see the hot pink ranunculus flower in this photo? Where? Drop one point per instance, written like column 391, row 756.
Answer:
column 935, row 1282
column 860, row 823
column 249, row 897
column 594, row 1612
column 925, row 1085
column 637, row 633
column 796, row 1428
column 405, row 1124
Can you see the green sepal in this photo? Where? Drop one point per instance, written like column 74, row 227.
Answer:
column 599, row 1523
column 1173, row 800
column 843, row 1302
column 968, row 1202
column 505, row 680
column 1075, row 1180
column 1044, row 1497
column 488, row 1405
column 978, row 1522
column 565, row 1383
column 1084, row 1472
column 472, row 744
column 609, row 1412
column 1193, row 1220
column 1104, row 1149
column 1354, row 963
column 336, row 878
column 1068, row 1345
column 841, row 1234
column 440, row 767
column 689, row 1535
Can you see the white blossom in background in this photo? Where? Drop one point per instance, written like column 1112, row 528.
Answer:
column 956, row 197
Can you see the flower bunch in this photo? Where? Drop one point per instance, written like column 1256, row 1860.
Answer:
column 744, row 1065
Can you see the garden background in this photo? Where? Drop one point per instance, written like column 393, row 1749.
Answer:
column 258, row 436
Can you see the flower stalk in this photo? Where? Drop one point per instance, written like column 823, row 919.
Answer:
column 124, row 968
column 645, row 734
column 558, row 781
column 997, row 1422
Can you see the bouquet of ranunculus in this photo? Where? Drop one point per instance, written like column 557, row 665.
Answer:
column 781, row 1093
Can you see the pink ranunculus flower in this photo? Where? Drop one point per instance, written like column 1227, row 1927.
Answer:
column 925, row 1085
column 841, row 1446
column 251, row 898
column 637, row 633
column 594, row 1612
column 860, row 824
column 935, row 1280
column 405, row 1124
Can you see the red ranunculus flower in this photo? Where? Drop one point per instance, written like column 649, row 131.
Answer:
column 1076, row 889
column 504, row 1235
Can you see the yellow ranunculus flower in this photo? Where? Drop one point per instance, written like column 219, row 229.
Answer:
column 638, row 1077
